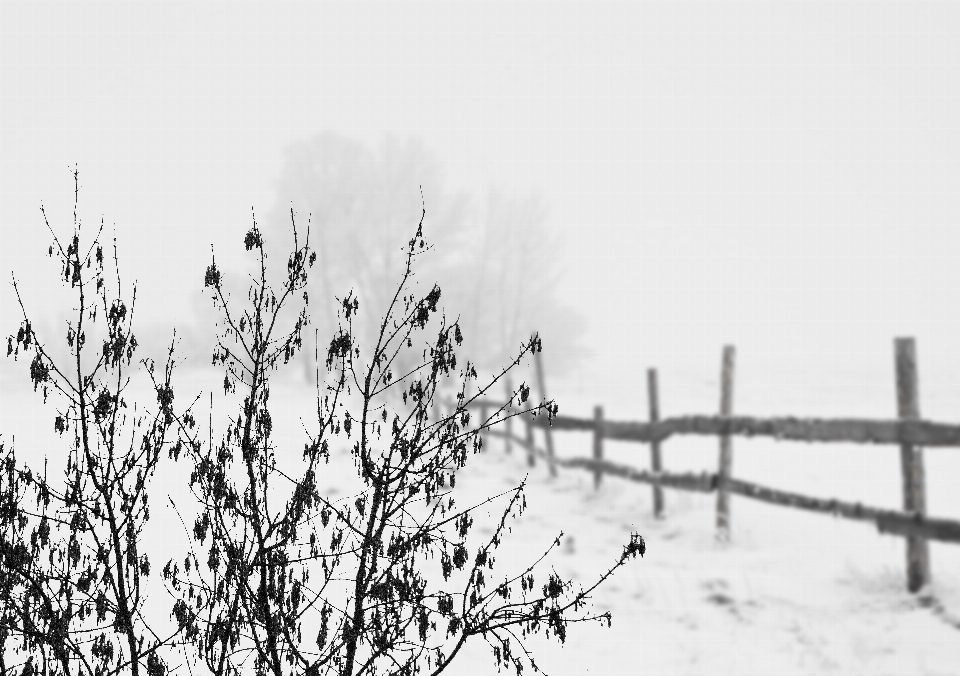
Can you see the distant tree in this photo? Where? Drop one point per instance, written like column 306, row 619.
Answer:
column 298, row 583
column 73, row 580
column 360, row 203
column 513, row 284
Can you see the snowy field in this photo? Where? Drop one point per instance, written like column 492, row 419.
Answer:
column 793, row 593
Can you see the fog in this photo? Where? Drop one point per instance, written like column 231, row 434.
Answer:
column 641, row 182
column 774, row 175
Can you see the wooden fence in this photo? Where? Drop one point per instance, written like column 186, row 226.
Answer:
column 908, row 431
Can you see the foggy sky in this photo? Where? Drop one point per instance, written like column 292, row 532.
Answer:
column 777, row 175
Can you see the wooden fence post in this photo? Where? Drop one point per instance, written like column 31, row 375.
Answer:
column 509, row 423
column 543, row 393
column 911, row 462
column 597, row 444
column 483, row 417
column 655, row 464
column 531, row 457
column 726, row 446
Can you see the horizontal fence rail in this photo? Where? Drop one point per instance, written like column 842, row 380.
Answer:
column 840, row 430
column 887, row 521
column 910, row 432
column 849, row 430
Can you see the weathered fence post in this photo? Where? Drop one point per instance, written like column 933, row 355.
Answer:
column 483, row 436
column 911, row 461
column 531, row 453
column 597, row 444
column 546, row 429
column 509, row 423
column 726, row 446
column 655, row 445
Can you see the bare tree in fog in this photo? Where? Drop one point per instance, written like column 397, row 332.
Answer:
column 513, row 284
column 360, row 204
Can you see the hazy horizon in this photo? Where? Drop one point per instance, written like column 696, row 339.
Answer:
column 776, row 176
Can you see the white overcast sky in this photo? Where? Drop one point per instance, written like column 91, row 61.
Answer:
column 778, row 175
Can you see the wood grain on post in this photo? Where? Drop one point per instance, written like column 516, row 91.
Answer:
column 726, row 445
column 911, row 462
column 655, row 464
column 543, row 393
column 597, row 445
column 509, row 423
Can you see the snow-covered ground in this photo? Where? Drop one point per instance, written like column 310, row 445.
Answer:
column 793, row 592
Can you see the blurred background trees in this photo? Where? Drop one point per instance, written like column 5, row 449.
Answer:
column 495, row 261
column 361, row 204
column 512, row 286
column 496, row 257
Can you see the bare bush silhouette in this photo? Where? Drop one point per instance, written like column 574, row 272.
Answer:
column 273, row 587
column 276, row 577
column 72, row 579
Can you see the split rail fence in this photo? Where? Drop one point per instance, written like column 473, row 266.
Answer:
column 909, row 431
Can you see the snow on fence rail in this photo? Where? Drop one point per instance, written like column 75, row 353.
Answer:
column 910, row 432
column 917, row 432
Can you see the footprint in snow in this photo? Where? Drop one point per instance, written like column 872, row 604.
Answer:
column 718, row 595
